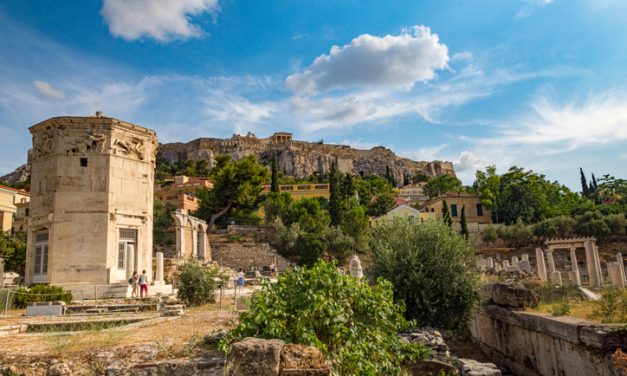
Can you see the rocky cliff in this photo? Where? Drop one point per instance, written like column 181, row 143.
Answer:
column 303, row 159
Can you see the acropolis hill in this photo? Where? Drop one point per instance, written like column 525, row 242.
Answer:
column 302, row 158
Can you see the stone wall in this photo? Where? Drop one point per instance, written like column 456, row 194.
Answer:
column 535, row 344
column 247, row 256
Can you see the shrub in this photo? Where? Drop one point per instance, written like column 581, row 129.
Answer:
column 197, row 283
column 592, row 224
column 561, row 309
column 339, row 245
column 429, row 265
column 310, row 248
column 562, row 226
column 616, row 223
column 489, row 234
column 353, row 323
column 612, row 308
column 40, row 293
column 517, row 235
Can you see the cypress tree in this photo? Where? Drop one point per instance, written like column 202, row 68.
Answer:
column 335, row 198
column 274, row 187
column 593, row 184
column 585, row 190
column 464, row 224
column 446, row 216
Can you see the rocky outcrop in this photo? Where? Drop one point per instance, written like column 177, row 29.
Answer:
column 19, row 175
column 303, row 159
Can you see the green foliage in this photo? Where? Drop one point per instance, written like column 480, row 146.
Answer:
column 557, row 227
column 585, row 189
column 309, row 214
column 353, row 323
column 517, row 235
column 274, row 185
column 40, row 293
column 464, row 224
column 381, row 204
column 371, row 186
column 612, row 308
column 561, row 309
column 592, row 224
column 429, row 266
column 446, row 216
column 286, row 237
column 612, row 190
column 339, row 245
column 236, row 190
column 310, row 247
column 13, row 251
column 196, row 283
column 489, row 234
column 182, row 167
column 355, row 224
column 163, row 225
column 616, row 223
column 276, row 205
column 441, row 184
column 389, row 176
column 335, row 196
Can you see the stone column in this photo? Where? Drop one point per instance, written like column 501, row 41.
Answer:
column 159, row 271
column 621, row 266
column 590, row 264
column 597, row 266
column 505, row 264
column 130, row 260
column 556, row 278
column 515, row 261
column 497, row 267
column 490, row 263
column 551, row 260
column 525, row 257
column 540, row 265
column 573, row 275
column 614, row 271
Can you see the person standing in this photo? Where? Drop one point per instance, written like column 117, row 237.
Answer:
column 143, row 284
column 134, row 281
column 240, row 279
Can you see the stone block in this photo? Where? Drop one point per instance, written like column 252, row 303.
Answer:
column 306, row 372
column 471, row 367
column 511, row 295
column 299, row 356
column 45, row 309
column 254, row 356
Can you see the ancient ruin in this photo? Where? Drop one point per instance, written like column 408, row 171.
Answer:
column 91, row 201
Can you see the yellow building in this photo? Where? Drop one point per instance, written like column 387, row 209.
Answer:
column 475, row 211
column 9, row 199
column 298, row 191
column 181, row 191
column 20, row 218
column 403, row 211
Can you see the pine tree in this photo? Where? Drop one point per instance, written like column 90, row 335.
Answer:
column 335, row 199
column 348, row 188
column 274, row 187
column 464, row 224
column 446, row 216
column 585, row 189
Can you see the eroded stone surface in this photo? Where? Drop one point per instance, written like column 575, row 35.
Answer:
column 254, row 356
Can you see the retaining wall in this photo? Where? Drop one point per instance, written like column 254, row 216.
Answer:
column 536, row 344
column 247, row 256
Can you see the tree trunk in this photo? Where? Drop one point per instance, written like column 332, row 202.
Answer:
column 214, row 217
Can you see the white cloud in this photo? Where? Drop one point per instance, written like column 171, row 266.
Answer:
column 530, row 6
column 425, row 153
column 397, row 61
column 360, row 144
column 48, row 91
column 162, row 20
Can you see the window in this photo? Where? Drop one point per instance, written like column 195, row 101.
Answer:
column 41, row 253
column 127, row 237
column 479, row 210
column 454, row 210
column 83, row 162
column 27, row 211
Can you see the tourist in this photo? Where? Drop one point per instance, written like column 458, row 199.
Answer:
column 272, row 270
column 143, row 284
column 133, row 281
column 240, row 279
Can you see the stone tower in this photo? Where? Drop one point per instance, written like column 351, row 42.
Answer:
column 91, row 201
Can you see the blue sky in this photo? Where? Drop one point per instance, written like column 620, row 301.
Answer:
column 535, row 83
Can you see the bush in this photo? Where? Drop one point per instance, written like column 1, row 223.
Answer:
column 489, row 234
column 592, row 224
column 40, row 293
column 310, row 248
column 429, row 265
column 339, row 245
column 612, row 308
column 197, row 283
column 562, row 227
column 353, row 323
column 517, row 235
column 616, row 223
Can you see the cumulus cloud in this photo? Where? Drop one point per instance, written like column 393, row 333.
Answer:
column 47, row 91
column 397, row 61
column 162, row 20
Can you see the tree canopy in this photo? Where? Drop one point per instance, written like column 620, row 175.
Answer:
column 441, row 184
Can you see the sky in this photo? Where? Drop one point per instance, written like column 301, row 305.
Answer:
column 539, row 84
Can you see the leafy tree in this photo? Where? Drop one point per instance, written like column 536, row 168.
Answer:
column 612, row 190
column 13, row 251
column 163, row 223
column 517, row 235
column 196, row 283
column 286, row 237
column 616, row 223
column 310, row 247
column 308, row 212
column 430, row 267
column 236, row 188
column 488, row 185
column 595, row 224
column 381, row 204
column 420, row 177
column 446, row 216
column 274, row 186
column 371, row 186
column 441, row 184
column 276, row 205
column 335, row 196
column 353, row 323
column 339, row 245
column 464, row 224
column 355, row 224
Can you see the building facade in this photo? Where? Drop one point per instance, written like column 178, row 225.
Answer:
column 10, row 199
column 91, row 201
column 180, row 191
column 475, row 211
